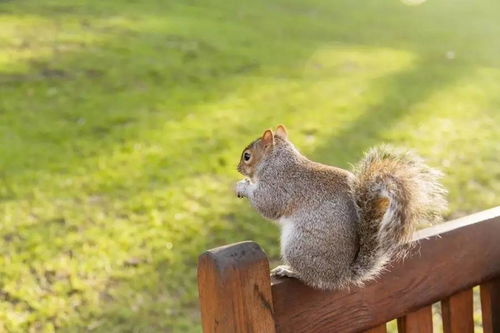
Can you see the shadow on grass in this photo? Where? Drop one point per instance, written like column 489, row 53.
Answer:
column 404, row 90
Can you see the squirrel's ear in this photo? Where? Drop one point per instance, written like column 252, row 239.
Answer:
column 281, row 131
column 268, row 138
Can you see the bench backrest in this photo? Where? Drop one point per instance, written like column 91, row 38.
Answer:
column 237, row 294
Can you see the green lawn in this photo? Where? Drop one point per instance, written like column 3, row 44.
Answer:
column 121, row 124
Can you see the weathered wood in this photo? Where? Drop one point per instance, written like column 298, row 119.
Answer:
column 490, row 305
column 377, row 329
column 457, row 313
column 419, row 321
column 451, row 256
column 235, row 289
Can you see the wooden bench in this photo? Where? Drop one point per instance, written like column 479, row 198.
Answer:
column 237, row 294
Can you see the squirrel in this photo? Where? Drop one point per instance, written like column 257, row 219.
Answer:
column 339, row 228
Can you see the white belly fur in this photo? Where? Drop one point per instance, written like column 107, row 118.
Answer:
column 286, row 233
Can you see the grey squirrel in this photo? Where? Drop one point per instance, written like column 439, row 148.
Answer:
column 339, row 228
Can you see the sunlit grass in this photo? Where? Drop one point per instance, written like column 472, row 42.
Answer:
column 121, row 125
column 462, row 138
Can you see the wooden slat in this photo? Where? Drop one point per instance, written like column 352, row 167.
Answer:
column 451, row 256
column 378, row 329
column 457, row 313
column 235, row 289
column 419, row 321
column 490, row 305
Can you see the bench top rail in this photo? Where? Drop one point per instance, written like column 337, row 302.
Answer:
column 450, row 257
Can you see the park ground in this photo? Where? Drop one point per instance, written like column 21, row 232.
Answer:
column 121, row 124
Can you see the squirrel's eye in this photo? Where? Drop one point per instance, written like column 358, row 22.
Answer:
column 246, row 156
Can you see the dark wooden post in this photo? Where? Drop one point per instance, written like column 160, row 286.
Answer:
column 419, row 321
column 457, row 311
column 490, row 305
column 235, row 289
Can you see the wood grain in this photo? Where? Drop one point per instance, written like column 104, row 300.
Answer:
column 419, row 321
column 378, row 329
column 490, row 305
column 451, row 257
column 235, row 290
column 457, row 312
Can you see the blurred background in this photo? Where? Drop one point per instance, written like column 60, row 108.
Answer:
column 121, row 124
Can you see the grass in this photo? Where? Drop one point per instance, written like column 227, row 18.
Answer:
column 121, row 124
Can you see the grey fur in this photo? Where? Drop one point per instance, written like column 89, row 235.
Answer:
column 334, row 234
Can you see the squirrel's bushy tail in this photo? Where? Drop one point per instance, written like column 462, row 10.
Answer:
column 394, row 191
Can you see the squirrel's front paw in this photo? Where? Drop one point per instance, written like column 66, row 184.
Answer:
column 241, row 188
column 283, row 270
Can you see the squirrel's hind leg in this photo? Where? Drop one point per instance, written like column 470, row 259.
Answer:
column 284, row 270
